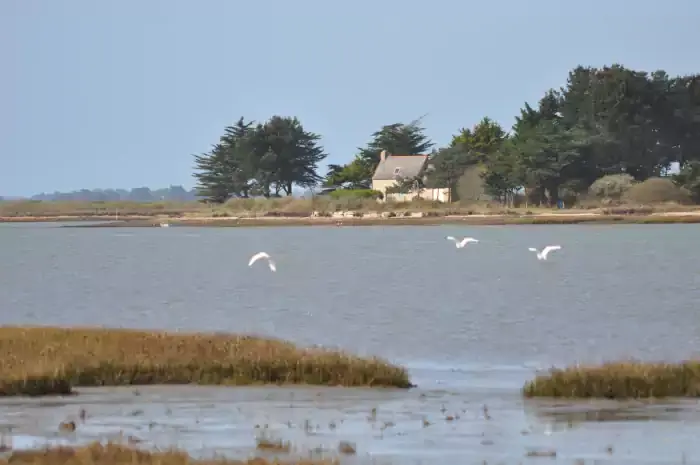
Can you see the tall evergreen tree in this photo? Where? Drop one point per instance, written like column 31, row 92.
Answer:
column 213, row 178
column 397, row 139
column 262, row 159
column 296, row 153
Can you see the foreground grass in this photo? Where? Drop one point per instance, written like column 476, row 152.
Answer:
column 620, row 380
column 114, row 454
column 48, row 360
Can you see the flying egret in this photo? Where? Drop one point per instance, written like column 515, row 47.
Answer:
column 463, row 242
column 543, row 255
column 260, row 255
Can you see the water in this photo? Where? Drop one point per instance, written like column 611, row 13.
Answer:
column 471, row 324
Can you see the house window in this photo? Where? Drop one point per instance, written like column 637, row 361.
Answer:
column 397, row 171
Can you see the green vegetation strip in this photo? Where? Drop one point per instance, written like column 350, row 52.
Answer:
column 48, row 360
column 620, row 380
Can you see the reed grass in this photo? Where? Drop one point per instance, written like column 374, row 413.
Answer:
column 115, row 454
column 619, row 380
column 49, row 360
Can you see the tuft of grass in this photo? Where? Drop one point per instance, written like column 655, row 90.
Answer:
column 49, row 360
column 273, row 445
column 347, row 448
column 619, row 380
column 116, row 454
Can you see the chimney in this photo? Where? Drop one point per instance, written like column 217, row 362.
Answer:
column 382, row 156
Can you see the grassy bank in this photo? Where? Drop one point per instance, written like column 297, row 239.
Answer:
column 47, row 360
column 113, row 454
column 620, row 380
column 298, row 208
column 490, row 220
column 345, row 212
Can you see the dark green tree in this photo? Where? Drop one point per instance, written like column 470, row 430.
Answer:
column 262, row 159
column 291, row 154
column 504, row 174
column 213, row 176
column 334, row 176
column 689, row 178
column 354, row 175
column 478, row 143
column 396, row 139
column 448, row 165
column 242, row 169
column 226, row 171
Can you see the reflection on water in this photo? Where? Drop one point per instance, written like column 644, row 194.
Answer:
column 671, row 410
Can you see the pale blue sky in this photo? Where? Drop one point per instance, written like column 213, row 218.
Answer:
column 121, row 93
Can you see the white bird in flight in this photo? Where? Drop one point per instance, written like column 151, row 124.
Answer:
column 258, row 256
column 543, row 255
column 463, row 242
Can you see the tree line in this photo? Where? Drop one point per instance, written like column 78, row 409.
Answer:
column 604, row 121
column 137, row 194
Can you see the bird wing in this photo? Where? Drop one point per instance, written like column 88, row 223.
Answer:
column 257, row 257
column 532, row 249
column 272, row 265
column 549, row 248
column 451, row 238
column 467, row 240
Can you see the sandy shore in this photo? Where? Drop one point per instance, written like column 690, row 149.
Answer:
column 411, row 218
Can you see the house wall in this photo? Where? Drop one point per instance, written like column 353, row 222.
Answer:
column 382, row 185
column 433, row 195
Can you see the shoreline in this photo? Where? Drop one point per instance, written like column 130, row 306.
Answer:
column 402, row 219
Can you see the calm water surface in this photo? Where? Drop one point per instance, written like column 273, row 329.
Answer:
column 471, row 324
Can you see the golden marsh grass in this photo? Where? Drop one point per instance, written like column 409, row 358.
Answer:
column 619, row 380
column 49, row 360
column 115, row 454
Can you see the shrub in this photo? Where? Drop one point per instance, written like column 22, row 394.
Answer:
column 611, row 187
column 356, row 193
column 689, row 179
column 656, row 190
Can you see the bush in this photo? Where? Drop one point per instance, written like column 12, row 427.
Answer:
column 611, row 187
column 689, row 179
column 356, row 193
column 656, row 190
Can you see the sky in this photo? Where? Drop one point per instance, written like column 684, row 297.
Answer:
column 112, row 94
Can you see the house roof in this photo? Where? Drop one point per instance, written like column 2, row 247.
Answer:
column 403, row 166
